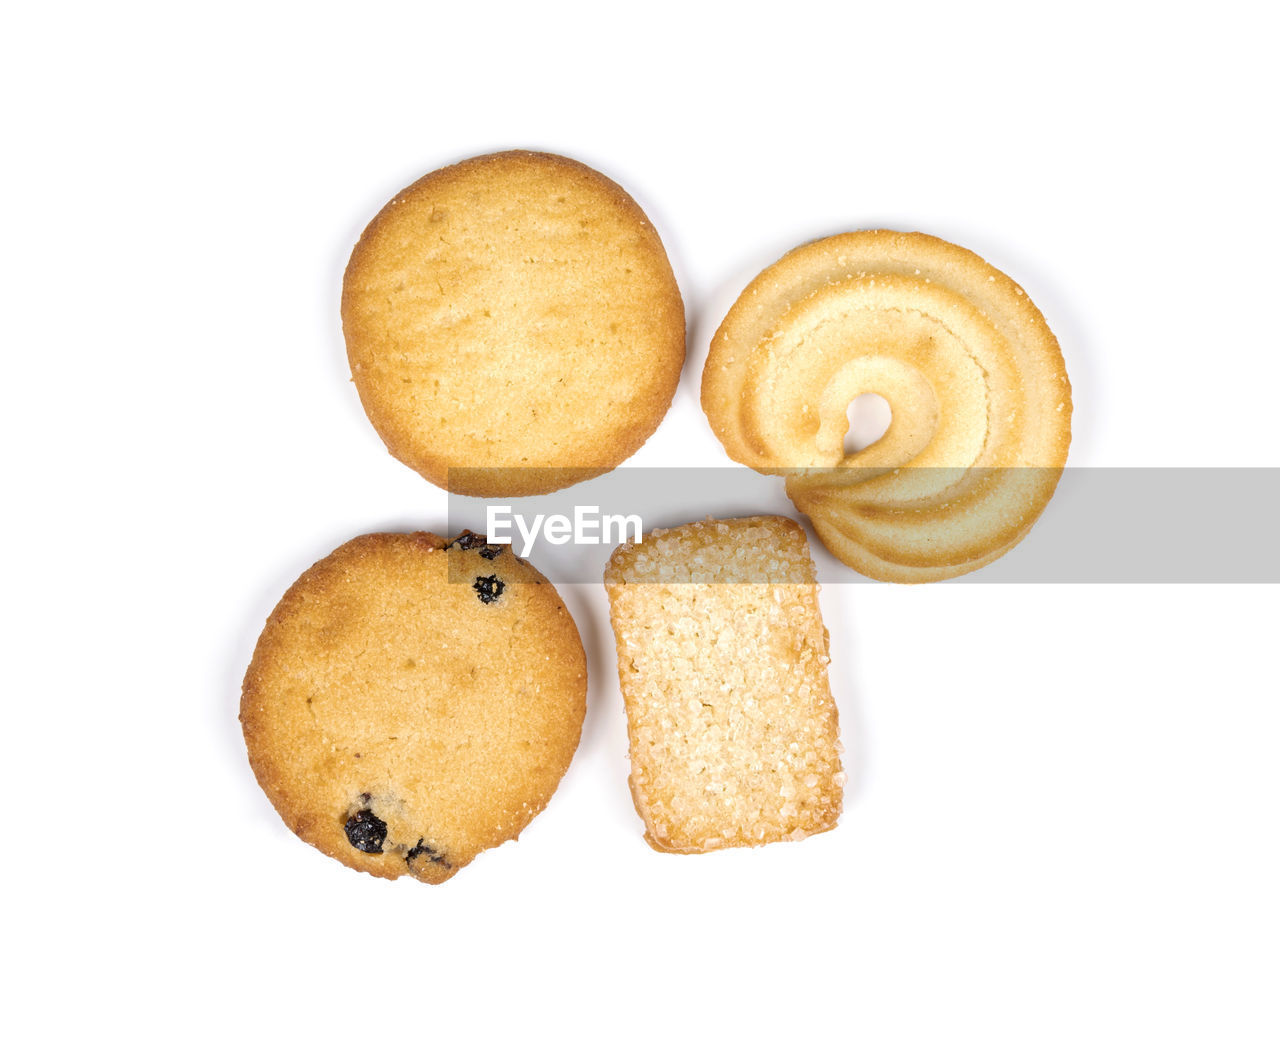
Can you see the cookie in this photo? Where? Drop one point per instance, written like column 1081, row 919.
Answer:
column 412, row 702
column 512, row 325
column 975, row 380
column 722, row 658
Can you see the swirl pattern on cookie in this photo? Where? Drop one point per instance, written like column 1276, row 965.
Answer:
column 975, row 380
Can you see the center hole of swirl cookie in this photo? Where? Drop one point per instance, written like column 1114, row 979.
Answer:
column 869, row 418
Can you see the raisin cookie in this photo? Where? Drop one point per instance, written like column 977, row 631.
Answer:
column 974, row 377
column 515, row 313
column 413, row 701
column 722, row 658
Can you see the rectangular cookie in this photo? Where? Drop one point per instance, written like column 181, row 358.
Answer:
column 722, row 657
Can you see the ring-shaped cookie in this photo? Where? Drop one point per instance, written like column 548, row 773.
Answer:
column 980, row 400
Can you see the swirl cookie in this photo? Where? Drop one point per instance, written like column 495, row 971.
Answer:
column 975, row 380
column 722, row 658
column 412, row 702
column 512, row 325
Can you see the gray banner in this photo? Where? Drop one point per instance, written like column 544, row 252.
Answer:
column 1103, row 525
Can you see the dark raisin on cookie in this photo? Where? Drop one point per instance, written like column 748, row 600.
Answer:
column 366, row 832
column 423, row 853
column 467, row 540
column 489, row 588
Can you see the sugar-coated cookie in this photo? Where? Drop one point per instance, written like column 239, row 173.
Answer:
column 722, row 658
column 412, row 702
column 974, row 378
column 515, row 316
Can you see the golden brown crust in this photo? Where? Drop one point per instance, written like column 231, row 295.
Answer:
column 975, row 380
column 383, row 683
column 722, row 659
column 515, row 311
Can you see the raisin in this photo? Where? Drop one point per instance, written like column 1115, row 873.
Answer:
column 468, row 540
column 489, row 588
column 427, row 853
column 366, row 832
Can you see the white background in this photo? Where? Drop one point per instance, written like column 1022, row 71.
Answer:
column 1061, row 825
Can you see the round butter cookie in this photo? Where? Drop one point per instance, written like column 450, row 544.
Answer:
column 413, row 701
column 512, row 324
column 980, row 400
